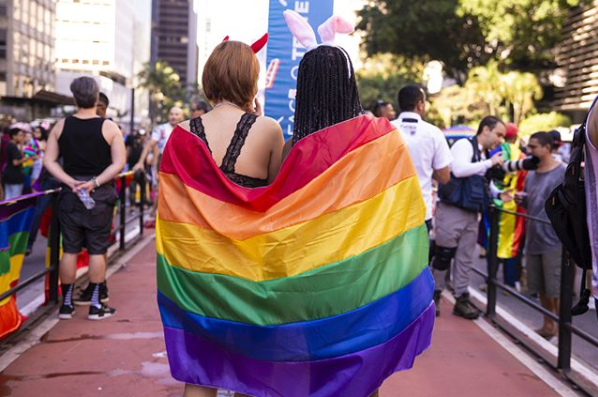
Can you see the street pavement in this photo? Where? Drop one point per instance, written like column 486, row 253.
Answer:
column 125, row 355
column 587, row 322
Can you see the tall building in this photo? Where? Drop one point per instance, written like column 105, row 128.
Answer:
column 174, row 37
column 27, row 76
column 97, row 38
column 576, row 78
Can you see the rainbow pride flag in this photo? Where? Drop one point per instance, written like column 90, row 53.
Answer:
column 316, row 285
column 511, row 227
column 15, row 221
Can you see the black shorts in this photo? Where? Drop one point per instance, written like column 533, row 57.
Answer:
column 81, row 227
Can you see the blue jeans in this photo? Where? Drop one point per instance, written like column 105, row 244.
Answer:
column 510, row 271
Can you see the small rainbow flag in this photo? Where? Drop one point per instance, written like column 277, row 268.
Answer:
column 316, row 285
column 15, row 221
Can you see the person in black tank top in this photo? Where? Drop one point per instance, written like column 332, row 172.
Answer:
column 84, row 150
column 93, row 153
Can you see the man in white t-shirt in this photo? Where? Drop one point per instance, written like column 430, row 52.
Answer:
column 159, row 138
column 426, row 143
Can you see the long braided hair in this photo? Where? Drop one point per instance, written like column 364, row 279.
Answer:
column 326, row 93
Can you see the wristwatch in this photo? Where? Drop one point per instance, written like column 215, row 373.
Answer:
column 95, row 182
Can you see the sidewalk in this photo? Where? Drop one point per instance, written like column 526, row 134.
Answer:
column 124, row 356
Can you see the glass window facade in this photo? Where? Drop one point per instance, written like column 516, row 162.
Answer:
column 31, row 47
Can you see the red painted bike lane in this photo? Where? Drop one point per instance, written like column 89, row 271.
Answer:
column 124, row 356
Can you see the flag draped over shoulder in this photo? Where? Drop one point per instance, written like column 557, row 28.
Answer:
column 15, row 221
column 316, row 285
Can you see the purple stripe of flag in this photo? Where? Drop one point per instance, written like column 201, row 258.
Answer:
column 197, row 360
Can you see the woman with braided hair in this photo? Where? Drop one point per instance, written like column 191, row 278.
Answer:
column 326, row 91
column 313, row 282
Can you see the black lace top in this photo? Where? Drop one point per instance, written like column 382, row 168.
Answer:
column 233, row 151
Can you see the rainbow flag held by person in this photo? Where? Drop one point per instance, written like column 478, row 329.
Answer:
column 511, row 228
column 317, row 284
column 15, row 221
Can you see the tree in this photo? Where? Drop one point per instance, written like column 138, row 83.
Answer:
column 543, row 122
column 423, row 31
column 489, row 91
column 164, row 86
column 520, row 90
column 462, row 34
column 521, row 33
column 382, row 76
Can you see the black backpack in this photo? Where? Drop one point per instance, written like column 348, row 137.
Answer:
column 566, row 209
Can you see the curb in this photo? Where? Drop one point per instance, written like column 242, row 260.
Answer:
column 37, row 333
column 581, row 374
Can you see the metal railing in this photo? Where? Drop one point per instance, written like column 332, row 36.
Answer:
column 564, row 318
column 54, row 235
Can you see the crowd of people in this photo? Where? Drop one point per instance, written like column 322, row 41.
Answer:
column 84, row 152
column 529, row 250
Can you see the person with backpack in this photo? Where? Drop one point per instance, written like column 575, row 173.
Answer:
column 591, row 189
column 462, row 200
column 543, row 249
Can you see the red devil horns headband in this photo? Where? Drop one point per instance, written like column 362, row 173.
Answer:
column 258, row 45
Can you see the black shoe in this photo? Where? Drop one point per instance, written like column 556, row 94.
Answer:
column 28, row 251
column 437, row 301
column 464, row 308
column 66, row 312
column 100, row 313
column 85, row 298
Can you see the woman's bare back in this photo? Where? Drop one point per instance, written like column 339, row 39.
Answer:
column 260, row 152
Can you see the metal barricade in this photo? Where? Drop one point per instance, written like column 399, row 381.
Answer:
column 54, row 245
column 140, row 181
column 54, row 235
column 566, row 329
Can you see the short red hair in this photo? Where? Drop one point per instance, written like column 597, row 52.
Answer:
column 231, row 74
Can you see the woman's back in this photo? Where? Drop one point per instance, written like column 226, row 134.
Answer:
column 246, row 147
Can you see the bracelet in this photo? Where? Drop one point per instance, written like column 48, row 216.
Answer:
column 95, row 182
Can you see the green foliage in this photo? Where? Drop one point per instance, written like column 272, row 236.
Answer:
column 522, row 33
column 424, row 31
column 543, row 122
column 383, row 75
column 463, row 34
column 489, row 91
column 164, row 86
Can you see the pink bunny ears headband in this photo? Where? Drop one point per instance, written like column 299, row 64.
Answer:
column 258, row 45
column 305, row 34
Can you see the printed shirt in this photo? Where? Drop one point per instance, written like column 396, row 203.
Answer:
column 161, row 134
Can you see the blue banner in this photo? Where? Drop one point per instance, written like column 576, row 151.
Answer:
column 284, row 55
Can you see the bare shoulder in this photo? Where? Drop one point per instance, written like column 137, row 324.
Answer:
column 186, row 125
column 110, row 126
column 268, row 124
column 111, row 131
column 57, row 129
